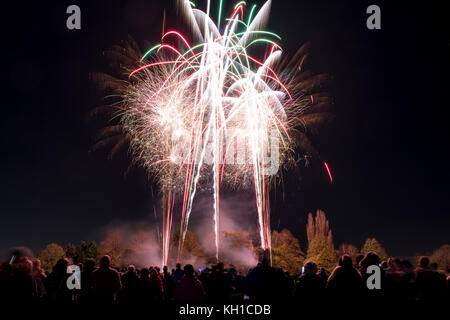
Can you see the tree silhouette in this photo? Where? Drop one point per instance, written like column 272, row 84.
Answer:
column 114, row 246
column 52, row 253
column 286, row 251
column 320, row 241
column 319, row 227
column 237, row 239
column 79, row 254
column 349, row 249
column 320, row 251
column 70, row 252
column 441, row 257
column 191, row 246
column 373, row 245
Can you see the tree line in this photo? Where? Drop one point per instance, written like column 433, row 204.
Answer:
column 286, row 250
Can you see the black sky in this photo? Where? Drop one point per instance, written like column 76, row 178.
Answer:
column 387, row 147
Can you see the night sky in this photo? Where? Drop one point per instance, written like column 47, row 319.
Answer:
column 387, row 147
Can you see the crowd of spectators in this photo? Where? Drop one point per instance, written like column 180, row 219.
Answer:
column 24, row 280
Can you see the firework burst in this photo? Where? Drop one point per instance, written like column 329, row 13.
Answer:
column 210, row 115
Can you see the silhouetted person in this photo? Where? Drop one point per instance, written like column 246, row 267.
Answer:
column 56, row 283
column 130, row 284
column 86, row 292
column 146, row 289
column 157, row 283
column 376, row 295
column 322, row 273
column 371, row 258
column 16, row 282
column 189, row 288
column 398, row 279
column 429, row 286
column 38, row 281
column 130, row 278
column 177, row 274
column 358, row 259
column 219, row 284
column 5, row 282
column 407, row 279
column 448, row 287
column 237, row 281
column 167, row 283
column 287, row 284
column 309, row 285
column 105, row 281
column 261, row 282
column 345, row 281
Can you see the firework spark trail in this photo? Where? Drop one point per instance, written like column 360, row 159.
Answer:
column 215, row 84
column 328, row 171
column 207, row 93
